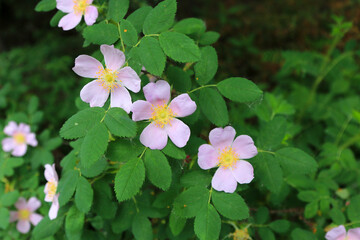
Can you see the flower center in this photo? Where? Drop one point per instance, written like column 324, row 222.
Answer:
column 52, row 186
column 19, row 138
column 161, row 115
column 227, row 157
column 24, row 214
column 241, row 234
column 80, row 6
column 107, row 78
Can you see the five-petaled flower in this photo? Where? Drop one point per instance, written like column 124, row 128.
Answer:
column 112, row 79
column 75, row 9
column 162, row 116
column 20, row 137
column 50, row 190
column 339, row 233
column 25, row 214
column 228, row 153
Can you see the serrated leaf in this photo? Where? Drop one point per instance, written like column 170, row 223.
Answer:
column 161, row 18
column 295, row 160
column 137, row 18
column 123, row 150
column 231, row 205
column 191, row 201
column 84, row 195
column 207, row 224
column 190, row 26
column 141, row 228
column 158, row 169
column 119, row 123
column 74, row 223
column 128, row 33
column 206, row 68
column 196, row 178
column 45, row 5
column 101, row 33
column 67, row 185
column 152, row 56
column 117, row 9
column 94, row 170
column 176, row 223
column 173, row 151
column 214, row 107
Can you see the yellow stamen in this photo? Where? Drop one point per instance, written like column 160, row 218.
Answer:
column 80, row 6
column 52, row 186
column 227, row 157
column 19, row 138
column 107, row 78
column 241, row 234
column 161, row 115
column 24, row 214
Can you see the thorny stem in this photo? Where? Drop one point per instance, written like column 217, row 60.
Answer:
column 211, row 85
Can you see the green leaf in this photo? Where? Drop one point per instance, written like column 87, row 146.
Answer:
column 262, row 215
column 239, row 90
column 84, row 195
column 266, row 234
column 280, row 226
column 4, row 218
column 81, row 123
column 214, row 107
column 176, row 223
column 337, row 216
column 101, row 33
column 152, row 56
column 311, row 209
column 104, row 204
column 7, row 165
column 119, row 123
column 33, row 105
column 191, row 201
column 94, row 170
column 41, row 156
column 231, row 206
column 207, row 224
column 47, row 228
column 353, row 210
column 123, row 150
column 9, row 199
column 161, row 18
column 128, row 33
column 180, row 79
column 117, row 9
column 272, row 133
column 206, row 68
column 209, row 38
column 308, row 196
column 196, row 178
column 294, row 160
column 173, row 151
column 129, row 179
column 137, row 18
column 74, row 223
column 94, row 145
column 56, row 18
column 45, row 5
column 300, row 234
column 189, row 26
column 67, row 185
column 158, row 169
column 141, row 228
column 179, row 47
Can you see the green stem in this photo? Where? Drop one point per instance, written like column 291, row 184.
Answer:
column 143, row 152
column 210, row 192
column 351, row 141
column 105, row 114
column 264, row 151
column 352, row 223
column 211, row 85
column 120, row 36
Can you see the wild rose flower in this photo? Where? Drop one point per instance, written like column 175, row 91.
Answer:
column 20, row 137
column 25, row 214
column 50, row 190
column 112, row 79
column 163, row 116
column 75, row 9
column 339, row 233
column 228, row 154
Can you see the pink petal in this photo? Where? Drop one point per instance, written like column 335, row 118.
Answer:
column 129, row 79
column 207, row 157
column 24, row 128
column 222, row 137
column 336, row 233
column 154, row 137
column 23, row 226
column 243, row 172
column 244, row 146
column 48, row 198
column 31, row 139
column 91, row 14
column 114, row 58
column 69, row 21
column 182, row 105
column 178, row 132
column 86, row 66
column 141, row 110
column 11, row 128
column 54, row 207
column 13, row 216
column 223, row 180
column 120, row 97
column 21, row 203
column 94, row 94
column 50, row 173
column 35, row 218
column 158, row 92
column 19, row 150
column 354, row 234
column 33, row 204
column 8, row 144
column 66, row 6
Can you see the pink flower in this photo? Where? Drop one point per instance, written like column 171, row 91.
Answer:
column 20, row 137
column 339, row 233
column 75, row 9
column 228, row 154
column 25, row 214
column 162, row 116
column 50, row 190
column 112, row 80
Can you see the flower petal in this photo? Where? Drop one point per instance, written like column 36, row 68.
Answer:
column 21, row 203
column 182, row 105
column 336, row 233
column 114, row 58
column 50, row 173
column 8, row 144
column 222, row 137
column 69, row 21
column 178, row 132
column 141, row 110
column 354, row 234
column 120, row 97
column 19, row 150
column 31, row 139
column 54, row 207
column 24, row 128
column 223, row 180
column 66, row 6
column 94, row 94
column 86, row 66
column 243, row 172
column 154, row 137
column 11, row 128
column 244, row 146
column 158, row 92
column 13, row 216
column 91, row 14
column 23, row 226
column 207, row 157
column 48, row 197
column 129, row 79
column 35, row 218
column 33, row 204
